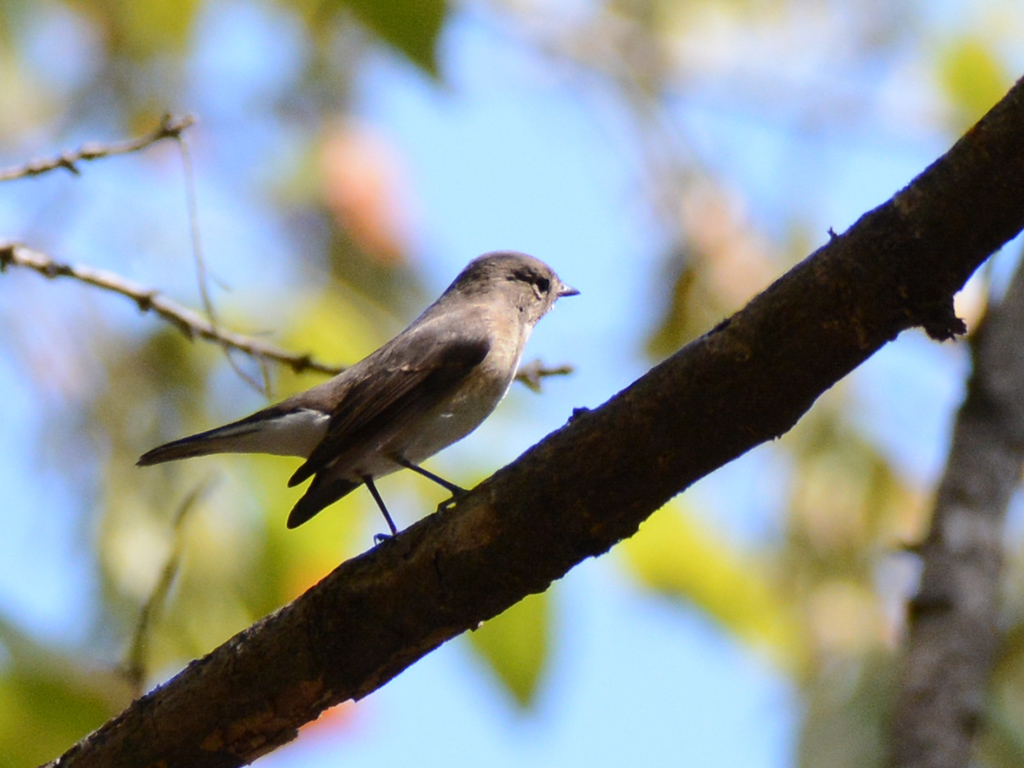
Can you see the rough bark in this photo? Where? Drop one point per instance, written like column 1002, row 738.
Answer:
column 954, row 616
column 592, row 483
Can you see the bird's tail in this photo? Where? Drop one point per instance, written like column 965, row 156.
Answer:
column 284, row 432
column 232, row 438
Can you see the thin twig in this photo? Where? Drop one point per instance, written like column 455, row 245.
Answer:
column 170, row 127
column 135, row 663
column 195, row 326
column 532, row 373
column 148, row 299
column 192, row 206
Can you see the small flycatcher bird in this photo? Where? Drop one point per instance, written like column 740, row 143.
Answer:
column 428, row 387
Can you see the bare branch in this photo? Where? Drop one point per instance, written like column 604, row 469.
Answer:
column 170, row 127
column 148, row 299
column 533, row 372
column 192, row 324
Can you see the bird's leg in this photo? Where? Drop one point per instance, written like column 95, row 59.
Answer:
column 456, row 490
column 368, row 481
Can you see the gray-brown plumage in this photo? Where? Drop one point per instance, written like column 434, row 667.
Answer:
column 425, row 389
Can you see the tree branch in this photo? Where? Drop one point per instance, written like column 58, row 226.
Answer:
column 170, row 127
column 593, row 482
column 531, row 374
column 149, row 299
column 954, row 617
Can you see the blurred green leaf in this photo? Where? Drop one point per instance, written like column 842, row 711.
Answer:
column 973, row 78
column 515, row 645
column 682, row 318
column 410, row 26
column 142, row 29
column 846, row 713
column 44, row 715
column 1002, row 743
column 49, row 700
column 676, row 554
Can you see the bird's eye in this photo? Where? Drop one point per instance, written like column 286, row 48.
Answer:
column 543, row 284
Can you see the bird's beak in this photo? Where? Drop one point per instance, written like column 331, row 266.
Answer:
column 566, row 290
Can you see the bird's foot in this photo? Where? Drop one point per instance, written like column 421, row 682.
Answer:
column 380, row 538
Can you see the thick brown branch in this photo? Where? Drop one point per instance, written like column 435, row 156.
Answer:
column 954, row 617
column 592, row 483
column 170, row 127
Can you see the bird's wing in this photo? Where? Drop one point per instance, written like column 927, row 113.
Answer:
column 406, row 381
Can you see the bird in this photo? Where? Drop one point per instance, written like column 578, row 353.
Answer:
column 430, row 386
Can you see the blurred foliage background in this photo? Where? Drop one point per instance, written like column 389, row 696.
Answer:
column 729, row 135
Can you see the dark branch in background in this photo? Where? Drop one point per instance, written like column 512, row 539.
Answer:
column 192, row 324
column 954, row 617
column 592, row 483
column 171, row 127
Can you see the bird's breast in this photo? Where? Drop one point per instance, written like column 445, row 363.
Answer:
column 473, row 401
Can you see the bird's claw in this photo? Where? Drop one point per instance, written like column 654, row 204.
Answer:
column 380, row 538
